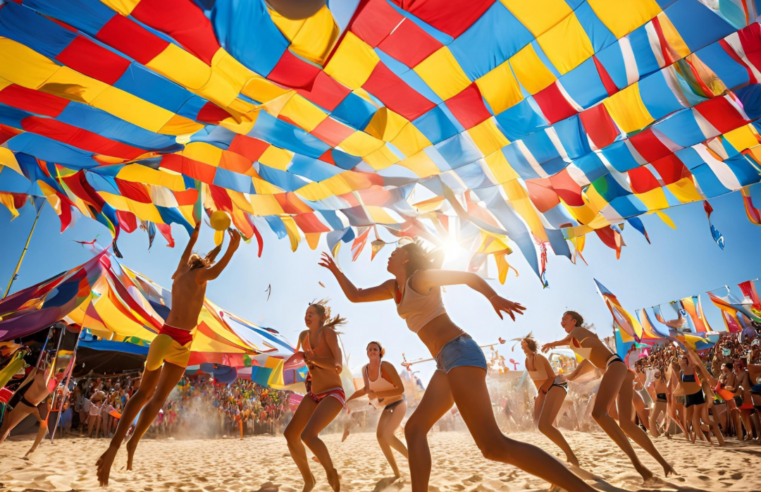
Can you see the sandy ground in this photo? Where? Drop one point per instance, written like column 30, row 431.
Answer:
column 263, row 464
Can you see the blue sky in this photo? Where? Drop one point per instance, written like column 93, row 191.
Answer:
column 678, row 264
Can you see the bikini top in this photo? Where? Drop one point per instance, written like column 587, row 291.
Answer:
column 577, row 348
column 380, row 384
column 688, row 378
column 539, row 374
column 306, row 344
column 419, row 309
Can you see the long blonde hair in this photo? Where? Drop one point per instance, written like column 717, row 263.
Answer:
column 322, row 308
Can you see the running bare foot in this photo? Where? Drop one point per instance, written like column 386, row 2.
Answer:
column 131, row 452
column 309, row 484
column 334, row 480
column 646, row 474
column 104, row 464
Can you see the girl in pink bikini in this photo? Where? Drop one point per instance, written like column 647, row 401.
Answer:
column 325, row 396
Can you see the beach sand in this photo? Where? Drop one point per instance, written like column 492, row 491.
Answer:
column 262, row 464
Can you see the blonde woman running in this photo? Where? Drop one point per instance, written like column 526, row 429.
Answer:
column 552, row 392
column 616, row 386
column 325, row 396
column 385, row 389
column 460, row 377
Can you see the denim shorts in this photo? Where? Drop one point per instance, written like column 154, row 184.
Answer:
column 458, row 352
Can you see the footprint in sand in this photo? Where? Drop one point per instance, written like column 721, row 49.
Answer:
column 269, row 487
column 474, row 478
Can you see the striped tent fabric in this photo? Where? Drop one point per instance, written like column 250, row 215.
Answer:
column 535, row 123
column 118, row 304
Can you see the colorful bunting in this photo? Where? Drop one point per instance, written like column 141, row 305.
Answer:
column 156, row 110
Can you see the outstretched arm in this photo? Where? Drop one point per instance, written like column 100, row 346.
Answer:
column 189, row 247
column 361, row 391
column 424, row 280
column 357, row 394
column 214, row 271
column 559, row 343
column 695, row 358
column 584, row 367
column 380, row 292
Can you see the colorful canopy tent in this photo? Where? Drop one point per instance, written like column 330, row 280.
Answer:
column 119, row 304
column 533, row 122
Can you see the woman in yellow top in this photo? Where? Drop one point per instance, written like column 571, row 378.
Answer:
column 616, row 386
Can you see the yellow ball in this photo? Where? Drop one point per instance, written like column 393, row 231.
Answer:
column 219, row 221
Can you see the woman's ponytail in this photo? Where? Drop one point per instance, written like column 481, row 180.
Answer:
column 323, row 309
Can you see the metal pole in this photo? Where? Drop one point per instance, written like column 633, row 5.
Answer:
column 26, row 246
column 67, row 394
column 407, row 364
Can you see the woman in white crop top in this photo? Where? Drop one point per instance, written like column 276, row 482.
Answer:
column 461, row 366
column 385, row 389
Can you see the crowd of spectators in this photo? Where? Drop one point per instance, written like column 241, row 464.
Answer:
column 241, row 408
column 198, row 407
column 730, row 378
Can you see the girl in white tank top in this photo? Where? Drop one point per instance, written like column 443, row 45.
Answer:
column 461, row 375
column 385, row 389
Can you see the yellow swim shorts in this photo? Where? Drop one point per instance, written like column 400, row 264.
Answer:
column 167, row 347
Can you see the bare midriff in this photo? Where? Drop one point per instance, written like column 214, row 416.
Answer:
column 660, row 386
column 537, row 383
column 322, row 379
column 187, row 300
column 600, row 353
column 37, row 391
column 438, row 332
